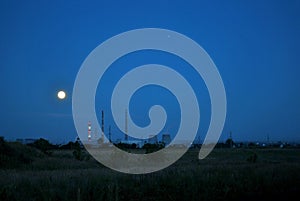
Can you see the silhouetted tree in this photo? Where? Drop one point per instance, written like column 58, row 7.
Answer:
column 152, row 147
column 229, row 143
column 133, row 146
column 77, row 153
column 4, row 148
column 44, row 145
column 70, row 145
column 12, row 155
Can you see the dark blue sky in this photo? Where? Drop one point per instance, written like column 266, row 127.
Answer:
column 254, row 44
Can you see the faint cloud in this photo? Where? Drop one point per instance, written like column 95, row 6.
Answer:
column 59, row 115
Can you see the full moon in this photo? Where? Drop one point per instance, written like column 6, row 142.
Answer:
column 61, row 95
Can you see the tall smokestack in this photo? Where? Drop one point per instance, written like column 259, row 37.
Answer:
column 109, row 133
column 126, row 126
column 102, row 124
column 102, row 127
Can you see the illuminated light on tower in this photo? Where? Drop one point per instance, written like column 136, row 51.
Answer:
column 89, row 131
column 126, row 125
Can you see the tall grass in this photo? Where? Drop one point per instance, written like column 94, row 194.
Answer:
column 225, row 175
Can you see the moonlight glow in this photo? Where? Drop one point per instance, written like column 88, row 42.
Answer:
column 61, row 95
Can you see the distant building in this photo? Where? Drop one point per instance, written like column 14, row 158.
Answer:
column 26, row 141
column 166, row 139
column 152, row 139
column 138, row 143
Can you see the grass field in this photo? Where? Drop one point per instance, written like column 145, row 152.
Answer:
column 226, row 174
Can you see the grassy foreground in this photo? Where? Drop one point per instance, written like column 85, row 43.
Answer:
column 226, row 174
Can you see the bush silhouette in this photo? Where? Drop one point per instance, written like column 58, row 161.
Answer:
column 13, row 154
column 44, row 145
column 77, row 153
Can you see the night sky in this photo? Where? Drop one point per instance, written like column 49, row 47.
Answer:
column 254, row 44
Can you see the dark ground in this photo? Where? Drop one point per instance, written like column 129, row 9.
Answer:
column 27, row 174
